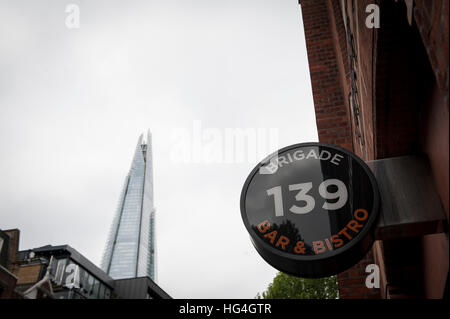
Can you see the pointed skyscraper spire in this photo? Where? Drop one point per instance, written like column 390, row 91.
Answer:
column 130, row 249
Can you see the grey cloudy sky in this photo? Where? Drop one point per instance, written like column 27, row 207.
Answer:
column 74, row 101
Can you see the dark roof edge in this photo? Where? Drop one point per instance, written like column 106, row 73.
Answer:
column 153, row 285
column 80, row 259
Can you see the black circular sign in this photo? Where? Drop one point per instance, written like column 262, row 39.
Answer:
column 311, row 209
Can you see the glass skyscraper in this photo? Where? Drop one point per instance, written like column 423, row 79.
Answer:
column 130, row 249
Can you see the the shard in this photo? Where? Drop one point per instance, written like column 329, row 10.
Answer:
column 130, row 249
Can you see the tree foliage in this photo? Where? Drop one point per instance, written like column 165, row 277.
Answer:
column 289, row 287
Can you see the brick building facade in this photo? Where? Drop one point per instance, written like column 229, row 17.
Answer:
column 381, row 91
column 61, row 272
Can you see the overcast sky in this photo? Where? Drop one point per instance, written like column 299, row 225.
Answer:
column 73, row 102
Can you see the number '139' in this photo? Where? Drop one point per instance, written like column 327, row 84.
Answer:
column 302, row 196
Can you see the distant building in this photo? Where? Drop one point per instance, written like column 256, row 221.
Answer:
column 70, row 274
column 380, row 75
column 61, row 272
column 130, row 249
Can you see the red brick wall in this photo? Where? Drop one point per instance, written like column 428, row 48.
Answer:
column 412, row 108
column 351, row 283
column 328, row 62
column 435, row 143
column 7, row 284
column 332, row 117
column 14, row 237
column 432, row 20
column 395, row 68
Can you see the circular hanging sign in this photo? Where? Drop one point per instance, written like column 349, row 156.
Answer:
column 311, row 209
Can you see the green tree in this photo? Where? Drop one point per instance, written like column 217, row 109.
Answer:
column 289, row 287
